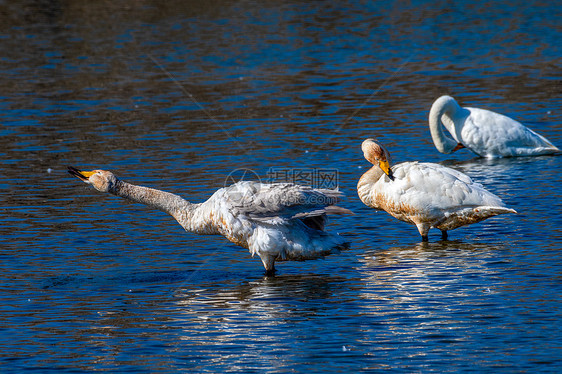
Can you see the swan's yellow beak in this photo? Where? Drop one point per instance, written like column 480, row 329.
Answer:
column 385, row 166
column 82, row 175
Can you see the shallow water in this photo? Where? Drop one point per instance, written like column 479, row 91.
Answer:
column 186, row 96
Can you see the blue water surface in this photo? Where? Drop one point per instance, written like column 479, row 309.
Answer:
column 180, row 95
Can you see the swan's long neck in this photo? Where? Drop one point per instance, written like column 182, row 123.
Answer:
column 445, row 105
column 365, row 185
column 179, row 208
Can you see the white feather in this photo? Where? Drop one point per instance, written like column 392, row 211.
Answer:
column 274, row 221
column 425, row 194
column 486, row 133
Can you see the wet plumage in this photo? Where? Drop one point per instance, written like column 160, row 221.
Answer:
column 277, row 222
column 424, row 194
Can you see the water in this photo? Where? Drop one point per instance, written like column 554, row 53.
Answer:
column 179, row 95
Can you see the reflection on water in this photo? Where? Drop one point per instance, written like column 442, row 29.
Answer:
column 278, row 296
column 270, row 318
column 444, row 296
column 424, row 251
column 504, row 170
column 176, row 95
column 429, row 269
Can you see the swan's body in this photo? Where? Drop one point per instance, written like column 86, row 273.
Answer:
column 424, row 194
column 486, row 133
column 277, row 222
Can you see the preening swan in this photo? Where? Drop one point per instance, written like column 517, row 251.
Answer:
column 424, row 194
column 486, row 133
column 277, row 222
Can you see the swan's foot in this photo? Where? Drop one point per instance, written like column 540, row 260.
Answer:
column 269, row 264
column 444, row 235
column 270, row 272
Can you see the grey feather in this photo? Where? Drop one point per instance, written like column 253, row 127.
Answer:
column 263, row 202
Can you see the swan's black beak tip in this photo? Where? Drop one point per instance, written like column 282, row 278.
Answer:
column 76, row 173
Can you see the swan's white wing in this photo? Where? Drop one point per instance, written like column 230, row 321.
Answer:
column 426, row 187
column 492, row 134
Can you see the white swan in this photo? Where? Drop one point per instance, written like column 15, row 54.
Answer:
column 277, row 222
column 486, row 133
column 424, row 194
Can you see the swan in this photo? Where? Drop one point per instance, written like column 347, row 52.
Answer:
column 486, row 133
column 424, row 194
column 277, row 222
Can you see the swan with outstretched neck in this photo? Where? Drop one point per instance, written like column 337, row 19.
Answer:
column 486, row 133
column 424, row 194
column 277, row 222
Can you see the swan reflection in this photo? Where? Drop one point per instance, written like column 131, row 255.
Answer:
column 438, row 270
column 433, row 292
column 270, row 317
column 505, row 171
column 275, row 298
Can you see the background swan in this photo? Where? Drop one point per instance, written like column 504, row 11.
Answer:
column 486, row 133
column 424, row 194
column 277, row 222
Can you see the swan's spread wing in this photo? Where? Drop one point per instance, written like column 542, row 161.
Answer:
column 280, row 200
column 432, row 187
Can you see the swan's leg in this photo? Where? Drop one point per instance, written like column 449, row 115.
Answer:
column 270, row 272
column 444, row 235
column 268, row 263
column 423, row 228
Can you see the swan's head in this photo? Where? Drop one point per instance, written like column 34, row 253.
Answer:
column 377, row 154
column 101, row 180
